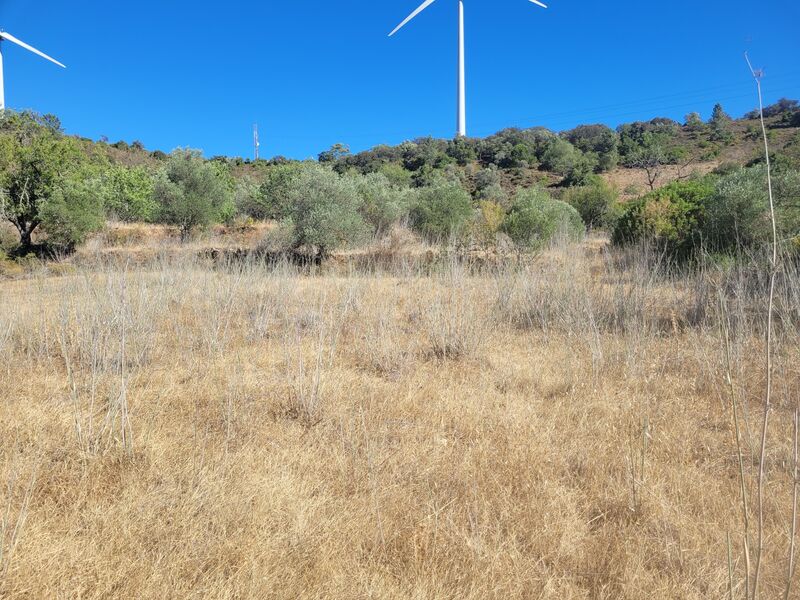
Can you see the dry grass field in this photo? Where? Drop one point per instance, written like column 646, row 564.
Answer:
column 558, row 429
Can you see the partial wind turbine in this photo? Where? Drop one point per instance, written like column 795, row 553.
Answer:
column 8, row 37
column 461, row 118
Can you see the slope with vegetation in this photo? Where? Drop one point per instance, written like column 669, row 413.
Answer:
column 56, row 190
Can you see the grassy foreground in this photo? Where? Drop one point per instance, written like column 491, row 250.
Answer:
column 561, row 429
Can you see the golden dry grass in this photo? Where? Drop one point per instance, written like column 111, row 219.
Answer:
column 563, row 430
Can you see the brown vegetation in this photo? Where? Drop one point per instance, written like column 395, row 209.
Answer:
column 561, row 429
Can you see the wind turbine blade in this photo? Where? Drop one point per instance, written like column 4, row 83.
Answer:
column 422, row 7
column 13, row 40
column 539, row 3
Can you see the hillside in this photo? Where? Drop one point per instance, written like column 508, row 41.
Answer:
column 80, row 185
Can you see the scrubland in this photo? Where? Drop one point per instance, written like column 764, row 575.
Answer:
column 556, row 427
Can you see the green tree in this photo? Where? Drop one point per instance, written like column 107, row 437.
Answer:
column 694, row 122
column 598, row 140
column 737, row 213
column 271, row 200
column 593, row 201
column 535, row 219
column 443, row 211
column 322, row 211
column 38, row 170
column 128, row 193
column 190, row 191
column 559, row 156
column 382, row 203
column 720, row 125
column 74, row 210
column 334, row 153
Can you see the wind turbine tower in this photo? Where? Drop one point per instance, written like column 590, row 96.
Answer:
column 256, row 143
column 461, row 90
column 10, row 38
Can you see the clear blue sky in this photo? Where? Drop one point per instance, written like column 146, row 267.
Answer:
column 311, row 72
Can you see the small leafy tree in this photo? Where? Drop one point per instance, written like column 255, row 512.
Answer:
column 74, row 210
column 190, row 192
column 736, row 214
column 271, row 199
column 535, row 218
column 38, row 170
column 382, row 204
column 334, row 153
column 593, row 201
column 720, row 125
column 322, row 212
column 599, row 141
column 442, row 211
column 651, row 155
column 128, row 193
column 559, row 156
column 694, row 122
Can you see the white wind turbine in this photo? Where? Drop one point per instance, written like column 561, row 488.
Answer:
column 461, row 119
column 8, row 37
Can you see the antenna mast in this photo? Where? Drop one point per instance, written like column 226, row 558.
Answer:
column 256, row 143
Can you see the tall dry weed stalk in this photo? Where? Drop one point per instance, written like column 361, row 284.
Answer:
column 12, row 520
column 767, row 406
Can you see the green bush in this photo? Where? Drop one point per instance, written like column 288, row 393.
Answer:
column 443, row 211
column 599, row 141
column 271, row 200
column 593, row 202
column 559, row 156
column 190, row 192
column 737, row 213
column 671, row 217
column 74, row 210
column 382, row 203
column 535, row 219
column 128, row 193
column 323, row 211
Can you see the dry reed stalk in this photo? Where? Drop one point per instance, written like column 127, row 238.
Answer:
column 793, row 527
column 767, row 407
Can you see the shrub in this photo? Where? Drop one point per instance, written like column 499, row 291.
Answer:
column 671, row 217
column 382, row 203
column 190, row 192
column 535, row 218
column 559, row 156
column 128, row 193
column 442, row 211
column 271, row 201
column 396, row 174
column 494, row 193
column 488, row 222
column 593, row 202
column 323, row 211
column 600, row 141
column 737, row 214
column 74, row 210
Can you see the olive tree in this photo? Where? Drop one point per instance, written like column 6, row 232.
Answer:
column 43, row 181
column 190, row 191
column 322, row 211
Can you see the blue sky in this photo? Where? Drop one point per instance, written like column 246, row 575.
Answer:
column 178, row 73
